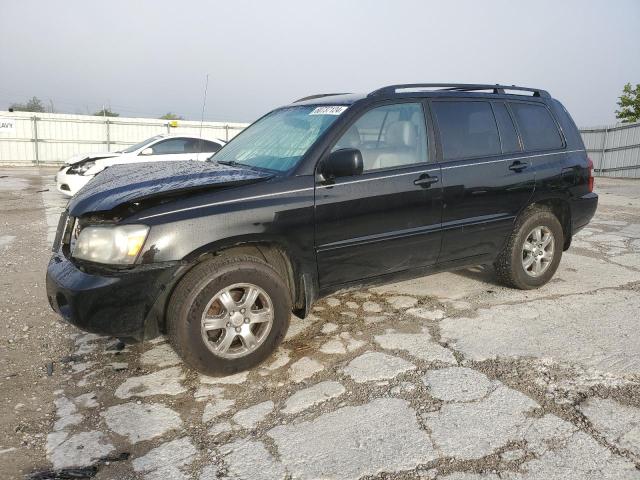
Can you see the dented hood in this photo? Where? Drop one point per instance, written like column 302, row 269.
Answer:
column 126, row 183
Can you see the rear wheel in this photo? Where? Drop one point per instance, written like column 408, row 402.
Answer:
column 533, row 251
column 228, row 314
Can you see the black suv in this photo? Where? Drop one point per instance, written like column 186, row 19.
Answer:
column 332, row 191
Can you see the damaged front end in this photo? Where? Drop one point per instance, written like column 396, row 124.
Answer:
column 115, row 300
column 100, row 277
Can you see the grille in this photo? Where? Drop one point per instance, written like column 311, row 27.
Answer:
column 62, row 224
column 64, row 234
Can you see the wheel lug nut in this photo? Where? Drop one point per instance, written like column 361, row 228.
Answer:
column 228, row 324
column 246, row 320
column 238, row 329
column 242, row 310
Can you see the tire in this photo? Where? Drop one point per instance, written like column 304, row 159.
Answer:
column 510, row 263
column 235, row 275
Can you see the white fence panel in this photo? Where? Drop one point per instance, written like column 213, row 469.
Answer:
column 614, row 149
column 49, row 138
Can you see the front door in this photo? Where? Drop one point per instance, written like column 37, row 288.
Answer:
column 387, row 219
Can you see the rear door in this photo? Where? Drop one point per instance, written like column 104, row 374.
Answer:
column 388, row 218
column 486, row 178
column 556, row 168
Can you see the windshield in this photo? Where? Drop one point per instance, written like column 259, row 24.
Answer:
column 135, row 147
column 278, row 140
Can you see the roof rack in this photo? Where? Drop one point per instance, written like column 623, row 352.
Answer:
column 319, row 95
column 456, row 87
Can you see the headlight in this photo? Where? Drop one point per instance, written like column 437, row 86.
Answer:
column 111, row 245
column 80, row 169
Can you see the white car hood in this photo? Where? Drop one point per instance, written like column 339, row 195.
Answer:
column 91, row 155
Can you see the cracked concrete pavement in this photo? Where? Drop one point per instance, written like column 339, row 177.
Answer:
column 444, row 377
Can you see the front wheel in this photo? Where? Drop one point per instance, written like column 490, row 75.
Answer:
column 228, row 314
column 533, row 251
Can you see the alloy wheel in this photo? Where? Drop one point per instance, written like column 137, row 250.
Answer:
column 237, row 320
column 537, row 251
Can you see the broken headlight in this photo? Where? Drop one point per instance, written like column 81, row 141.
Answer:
column 80, row 168
column 109, row 244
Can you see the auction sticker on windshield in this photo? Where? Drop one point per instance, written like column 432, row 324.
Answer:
column 332, row 110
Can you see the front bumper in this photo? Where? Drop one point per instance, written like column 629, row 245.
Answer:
column 70, row 184
column 116, row 303
column 582, row 211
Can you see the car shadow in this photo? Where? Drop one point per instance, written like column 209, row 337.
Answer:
column 481, row 273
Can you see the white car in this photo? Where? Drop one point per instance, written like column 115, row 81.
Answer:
column 80, row 169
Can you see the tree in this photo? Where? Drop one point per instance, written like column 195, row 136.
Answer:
column 629, row 104
column 106, row 112
column 34, row 104
column 171, row 116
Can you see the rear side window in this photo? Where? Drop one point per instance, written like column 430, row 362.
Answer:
column 537, row 128
column 197, row 145
column 467, row 129
column 192, row 146
column 172, row 146
column 206, row 146
column 508, row 135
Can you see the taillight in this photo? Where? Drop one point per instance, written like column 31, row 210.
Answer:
column 590, row 181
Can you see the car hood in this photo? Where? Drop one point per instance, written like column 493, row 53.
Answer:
column 126, row 183
column 81, row 157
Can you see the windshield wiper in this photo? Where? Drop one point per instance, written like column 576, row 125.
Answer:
column 231, row 163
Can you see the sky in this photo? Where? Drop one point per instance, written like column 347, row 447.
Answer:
column 146, row 58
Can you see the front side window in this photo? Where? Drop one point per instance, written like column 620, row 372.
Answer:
column 279, row 140
column 537, row 128
column 140, row 145
column 388, row 136
column 467, row 129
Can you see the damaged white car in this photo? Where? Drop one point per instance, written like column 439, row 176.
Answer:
column 80, row 169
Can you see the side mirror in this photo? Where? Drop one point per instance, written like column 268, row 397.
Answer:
column 147, row 151
column 342, row 163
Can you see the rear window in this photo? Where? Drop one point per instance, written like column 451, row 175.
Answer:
column 467, row 129
column 508, row 135
column 537, row 128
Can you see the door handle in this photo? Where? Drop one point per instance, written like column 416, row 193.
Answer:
column 426, row 180
column 518, row 166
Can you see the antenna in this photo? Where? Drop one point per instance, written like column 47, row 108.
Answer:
column 204, row 103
